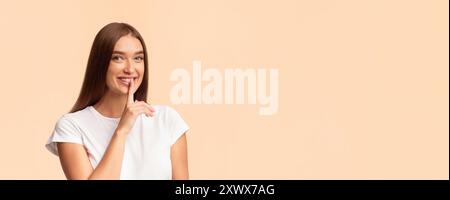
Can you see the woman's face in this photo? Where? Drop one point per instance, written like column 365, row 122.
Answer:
column 127, row 64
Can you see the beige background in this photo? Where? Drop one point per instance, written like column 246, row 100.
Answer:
column 363, row 84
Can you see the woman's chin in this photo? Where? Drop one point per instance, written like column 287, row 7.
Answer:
column 121, row 91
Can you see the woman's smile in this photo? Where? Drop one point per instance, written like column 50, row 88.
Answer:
column 125, row 80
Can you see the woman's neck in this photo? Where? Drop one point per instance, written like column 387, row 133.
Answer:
column 111, row 105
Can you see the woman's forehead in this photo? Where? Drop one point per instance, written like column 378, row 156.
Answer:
column 128, row 45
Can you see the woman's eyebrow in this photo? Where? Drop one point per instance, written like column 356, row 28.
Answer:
column 124, row 53
column 139, row 52
column 118, row 52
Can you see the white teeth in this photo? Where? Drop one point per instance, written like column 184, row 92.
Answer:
column 126, row 81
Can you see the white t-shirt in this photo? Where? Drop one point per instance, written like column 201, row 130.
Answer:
column 147, row 147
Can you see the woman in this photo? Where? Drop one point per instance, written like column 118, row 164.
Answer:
column 111, row 132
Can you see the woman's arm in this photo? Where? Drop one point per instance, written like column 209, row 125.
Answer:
column 179, row 159
column 74, row 161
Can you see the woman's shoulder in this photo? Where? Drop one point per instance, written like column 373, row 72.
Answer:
column 166, row 114
column 74, row 117
column 173, row 121
column 164, row 110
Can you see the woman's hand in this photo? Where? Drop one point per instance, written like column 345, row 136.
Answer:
column 132, row 110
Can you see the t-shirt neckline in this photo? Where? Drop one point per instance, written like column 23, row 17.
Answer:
column 93, row 110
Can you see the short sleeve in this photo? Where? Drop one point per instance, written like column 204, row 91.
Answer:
column 65, row 131
column 177, row 126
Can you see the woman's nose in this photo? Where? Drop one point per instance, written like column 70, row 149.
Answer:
column 129, row 66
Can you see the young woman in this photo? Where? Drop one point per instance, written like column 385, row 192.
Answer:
column 111, row 132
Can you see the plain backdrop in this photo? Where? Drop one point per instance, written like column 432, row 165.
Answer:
column 363, row 85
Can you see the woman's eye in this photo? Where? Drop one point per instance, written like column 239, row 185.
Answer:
column 117, row 58
column 139, row 59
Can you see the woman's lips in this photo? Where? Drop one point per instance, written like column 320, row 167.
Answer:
column 125, row 80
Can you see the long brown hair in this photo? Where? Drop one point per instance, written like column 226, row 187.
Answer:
column 94, row 83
